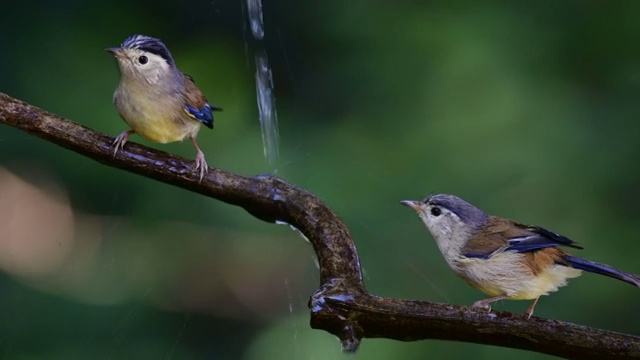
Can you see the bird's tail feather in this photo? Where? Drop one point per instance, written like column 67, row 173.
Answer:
column 602, row 269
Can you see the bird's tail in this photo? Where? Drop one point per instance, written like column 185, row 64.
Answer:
column 602, row 269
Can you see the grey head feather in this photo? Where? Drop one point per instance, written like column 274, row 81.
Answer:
column 149, row 44
column 468, row 213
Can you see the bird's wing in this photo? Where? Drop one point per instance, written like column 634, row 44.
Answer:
column 535, row 237
column 196, row 105
column 507, row 235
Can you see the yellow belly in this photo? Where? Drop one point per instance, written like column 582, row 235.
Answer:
column 163, row 130
column 159, row 121
column 503, row 275
column 551, row 280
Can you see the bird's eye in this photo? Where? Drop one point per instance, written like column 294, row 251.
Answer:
column 143, row 59
column 435, row 211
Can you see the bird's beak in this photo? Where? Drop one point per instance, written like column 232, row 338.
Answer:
column 415, row 205
column 116, row 51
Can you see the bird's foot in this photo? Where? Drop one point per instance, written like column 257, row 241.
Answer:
column 120, row 141
column 482, row 304
column 530, row 309
column 201, row 164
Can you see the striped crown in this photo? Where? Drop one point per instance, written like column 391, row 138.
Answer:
column 148, row 44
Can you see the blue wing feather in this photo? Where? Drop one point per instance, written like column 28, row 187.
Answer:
column 530, row 238
column 204, row 114
column 479, row 256
column 540, row 238
column 196, row 104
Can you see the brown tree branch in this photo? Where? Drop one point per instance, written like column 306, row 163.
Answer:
column 342, row 305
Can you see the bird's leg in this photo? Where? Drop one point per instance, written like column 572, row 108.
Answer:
column 121, row 140
column 485, row 303
column 529, row 311
column 201, row 163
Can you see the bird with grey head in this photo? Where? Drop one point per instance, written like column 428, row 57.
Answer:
column 503, row 258
column 156, row 99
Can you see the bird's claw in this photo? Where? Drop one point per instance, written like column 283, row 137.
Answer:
column 481, row 304
column 201, row 164
column 119, row 142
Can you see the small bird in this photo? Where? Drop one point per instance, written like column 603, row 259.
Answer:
column 503, row 258
column 156, row 99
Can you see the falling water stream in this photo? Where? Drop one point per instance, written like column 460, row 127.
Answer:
column 268, row 115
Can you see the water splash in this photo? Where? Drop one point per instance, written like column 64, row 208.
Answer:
column 278, row 222
column 268, row 115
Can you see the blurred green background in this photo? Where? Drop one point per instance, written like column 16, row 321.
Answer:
column 527, row 110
